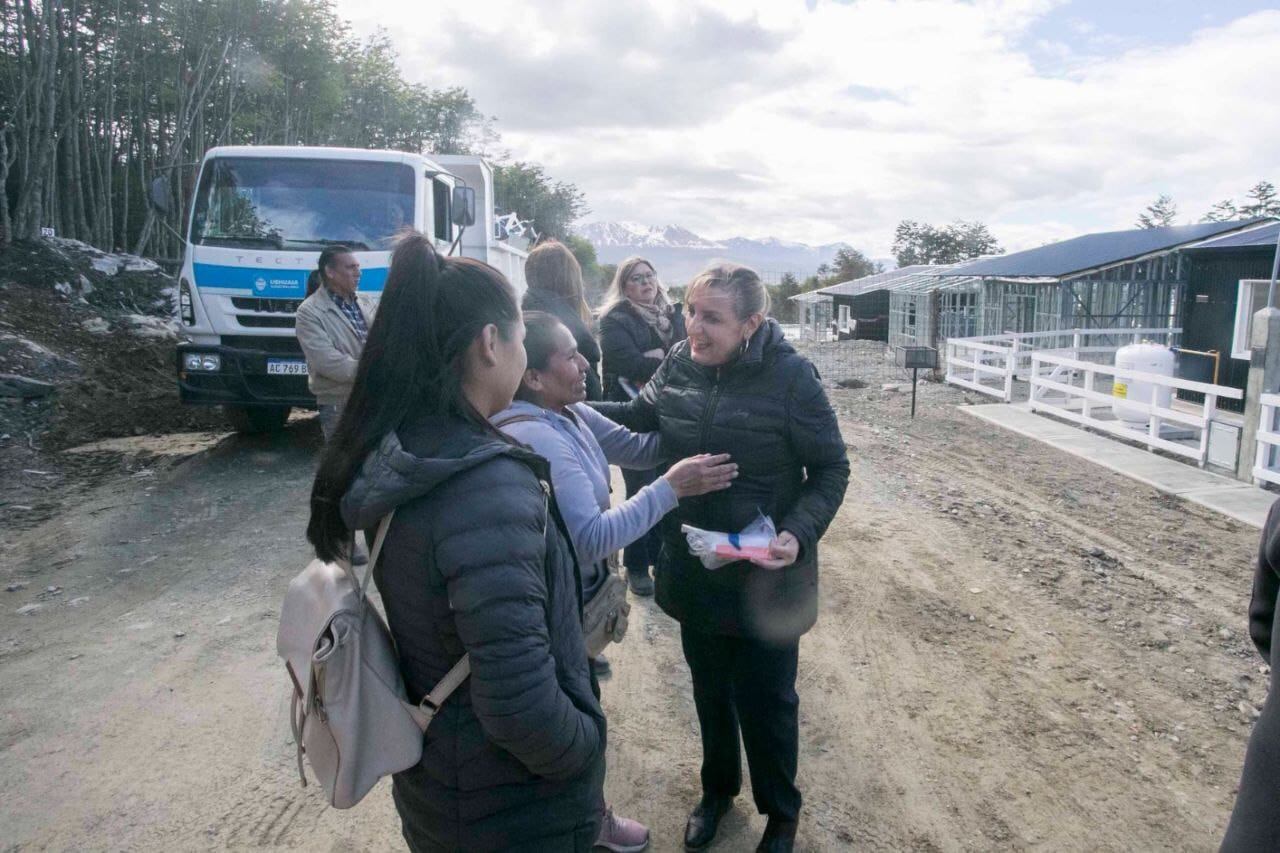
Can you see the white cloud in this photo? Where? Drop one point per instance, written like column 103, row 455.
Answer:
column 766, row 118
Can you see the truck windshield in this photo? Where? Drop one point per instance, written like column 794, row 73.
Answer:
column 291, row 203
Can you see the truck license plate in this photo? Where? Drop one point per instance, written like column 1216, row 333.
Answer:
column 277, row 367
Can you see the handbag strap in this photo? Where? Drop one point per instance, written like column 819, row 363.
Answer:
column 517, row 419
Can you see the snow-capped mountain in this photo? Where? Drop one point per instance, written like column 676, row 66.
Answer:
column 679, row 254
column 633, row 234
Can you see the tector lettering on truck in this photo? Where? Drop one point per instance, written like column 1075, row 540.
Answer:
column 261, row 215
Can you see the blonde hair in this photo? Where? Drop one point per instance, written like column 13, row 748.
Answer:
column 552, row 268
column 743, row 285
column 616, row 294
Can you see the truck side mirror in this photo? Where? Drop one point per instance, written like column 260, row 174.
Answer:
column 160, row 194
column 464, row 206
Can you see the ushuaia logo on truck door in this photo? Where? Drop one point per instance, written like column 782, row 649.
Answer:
column 260, row 284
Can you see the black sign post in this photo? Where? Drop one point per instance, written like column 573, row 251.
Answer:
column 916, row 358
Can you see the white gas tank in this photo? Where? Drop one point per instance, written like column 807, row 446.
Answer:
column 1146, row 358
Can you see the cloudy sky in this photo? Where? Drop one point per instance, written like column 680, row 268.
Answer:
column 821, row 121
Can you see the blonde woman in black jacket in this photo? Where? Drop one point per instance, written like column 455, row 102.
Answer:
column 638, row 327
column 737, row 387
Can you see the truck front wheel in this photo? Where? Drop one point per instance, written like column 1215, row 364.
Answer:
column 251, row 420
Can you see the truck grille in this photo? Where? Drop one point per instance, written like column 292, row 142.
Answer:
column 266, row 306
column 253, row 321
column 284, row 346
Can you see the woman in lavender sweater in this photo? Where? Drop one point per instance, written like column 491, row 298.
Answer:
column 550, row 416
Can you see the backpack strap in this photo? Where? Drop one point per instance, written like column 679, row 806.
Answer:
column 362, row 584
column 424, row 712
column 375, row 551
column 430, row 704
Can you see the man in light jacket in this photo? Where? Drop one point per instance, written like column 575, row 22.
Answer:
column 332, row 324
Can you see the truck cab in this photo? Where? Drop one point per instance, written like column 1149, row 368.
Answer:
column 260, row 217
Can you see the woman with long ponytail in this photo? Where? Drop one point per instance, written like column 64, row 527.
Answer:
column 476, row 561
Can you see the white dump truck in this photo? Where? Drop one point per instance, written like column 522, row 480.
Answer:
column 258, row 222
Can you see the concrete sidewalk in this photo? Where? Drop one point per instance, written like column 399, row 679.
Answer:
column 1230, row 497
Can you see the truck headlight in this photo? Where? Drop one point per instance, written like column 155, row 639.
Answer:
column 201, row 362
column 185, row 306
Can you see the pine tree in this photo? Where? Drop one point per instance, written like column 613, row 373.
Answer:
column 1262, row 201
column 1159, row 213
column 1223, row 211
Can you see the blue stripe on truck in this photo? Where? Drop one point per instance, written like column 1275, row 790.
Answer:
column 274, row 283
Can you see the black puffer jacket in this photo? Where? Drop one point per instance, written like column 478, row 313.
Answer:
column 1255, row 821
column 552, row 303
column 624, row 339
column 477, row 561
column 768, row 410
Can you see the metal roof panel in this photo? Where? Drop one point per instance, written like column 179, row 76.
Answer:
column 1095, row 250
column 1261, row 237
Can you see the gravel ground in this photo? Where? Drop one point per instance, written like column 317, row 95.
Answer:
column 1017, row 650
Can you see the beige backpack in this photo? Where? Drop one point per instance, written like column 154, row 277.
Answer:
column 350, row 715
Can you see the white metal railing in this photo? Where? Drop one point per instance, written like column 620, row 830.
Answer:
column 1052, row 374
column 1268, row 439
column 1004, row 357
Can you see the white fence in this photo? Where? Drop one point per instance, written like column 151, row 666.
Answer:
column 974, row 364
column 1264, row 468
column 1056, row 374
column 989, row 364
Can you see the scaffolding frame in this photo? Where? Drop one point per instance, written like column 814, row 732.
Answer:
column 931, row 307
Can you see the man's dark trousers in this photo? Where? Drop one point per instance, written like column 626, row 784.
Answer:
column 747, row 685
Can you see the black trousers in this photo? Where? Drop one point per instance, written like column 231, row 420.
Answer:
column 744, row 685
column 643, row 552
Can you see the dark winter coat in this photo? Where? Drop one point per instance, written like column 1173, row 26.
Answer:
column 477, row 560
column 768, row 410
column 624, row 339
column 1255, row 822
column 551, row 303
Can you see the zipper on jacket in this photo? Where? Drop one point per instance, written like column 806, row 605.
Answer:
column 709, row 412
column 546, row 505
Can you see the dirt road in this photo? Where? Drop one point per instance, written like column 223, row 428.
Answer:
column 1017, row 651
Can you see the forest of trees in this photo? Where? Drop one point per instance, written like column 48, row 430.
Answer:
column 99, row 97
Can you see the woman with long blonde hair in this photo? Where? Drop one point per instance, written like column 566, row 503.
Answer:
column 638, row 326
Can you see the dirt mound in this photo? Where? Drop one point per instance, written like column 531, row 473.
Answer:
column 99, row 328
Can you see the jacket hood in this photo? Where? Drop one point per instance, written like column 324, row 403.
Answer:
column 392, row 475
column 768, row 340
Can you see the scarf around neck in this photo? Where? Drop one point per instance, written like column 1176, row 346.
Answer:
column 658, row 316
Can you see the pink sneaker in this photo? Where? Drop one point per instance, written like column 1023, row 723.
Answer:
column 622, row 835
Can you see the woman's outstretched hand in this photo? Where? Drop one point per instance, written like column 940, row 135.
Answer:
column 783, row 551
column 698, row 475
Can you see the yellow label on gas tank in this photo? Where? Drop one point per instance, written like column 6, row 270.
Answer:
column 1120, row 390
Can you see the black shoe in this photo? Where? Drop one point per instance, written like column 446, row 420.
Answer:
column 700, row 831
column 779, row 837
column 600, row 666
column 640, row 582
